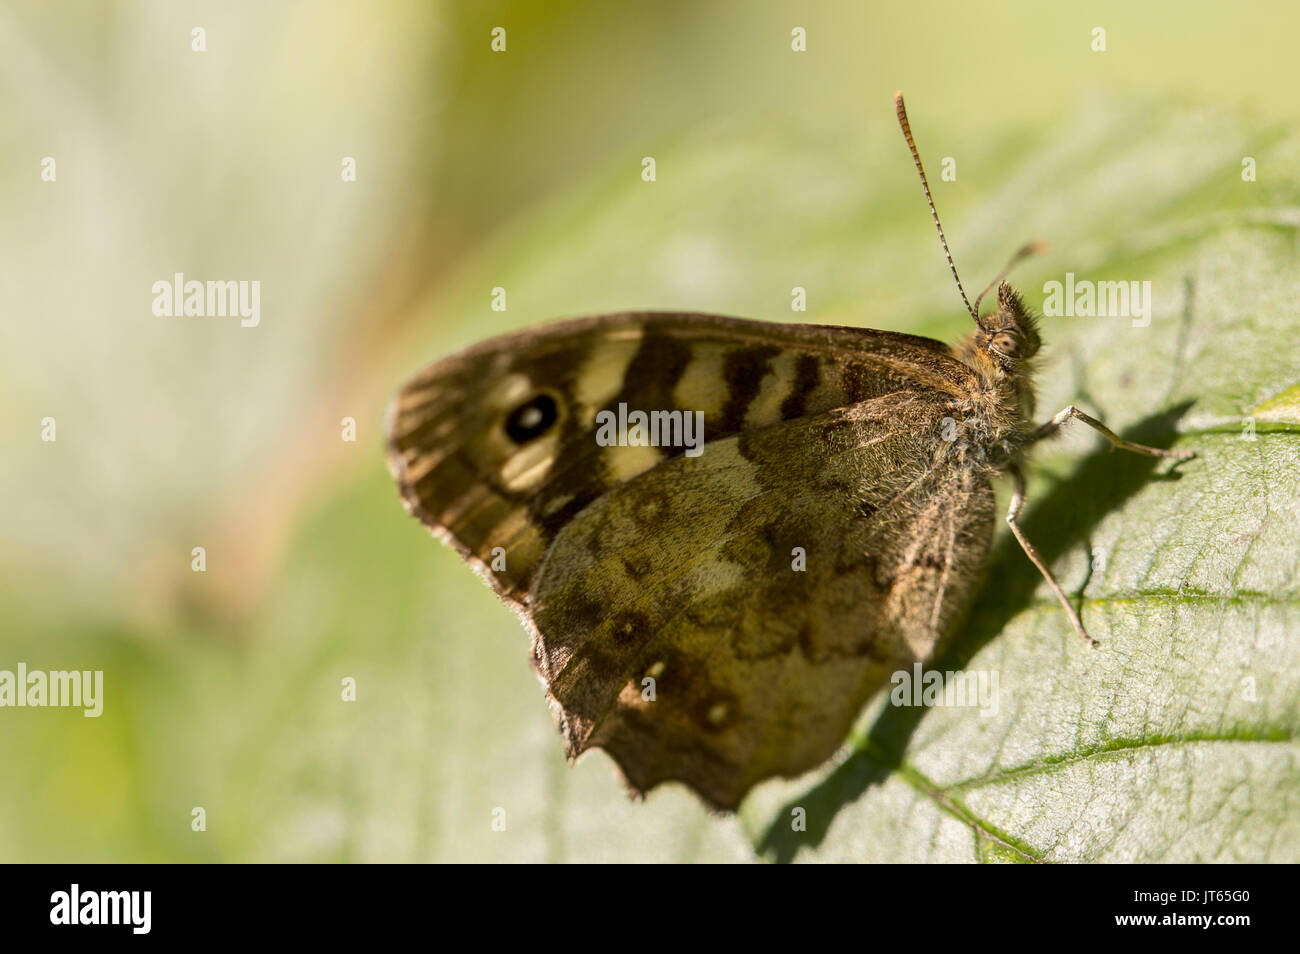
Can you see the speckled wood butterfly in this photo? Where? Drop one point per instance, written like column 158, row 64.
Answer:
column 721, row 617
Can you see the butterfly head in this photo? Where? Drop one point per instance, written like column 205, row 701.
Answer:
column 1001, row 350
column 1009, row 333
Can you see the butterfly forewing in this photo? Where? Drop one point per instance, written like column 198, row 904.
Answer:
column 461, row 473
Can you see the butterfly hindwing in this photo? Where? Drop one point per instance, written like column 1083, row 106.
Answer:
column 722, row 620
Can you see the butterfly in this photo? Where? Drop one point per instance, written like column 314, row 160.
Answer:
column 717, row 613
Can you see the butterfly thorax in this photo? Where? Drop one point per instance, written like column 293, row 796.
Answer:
column 1000, row 408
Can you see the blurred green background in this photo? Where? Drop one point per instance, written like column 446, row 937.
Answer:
column 520, row 169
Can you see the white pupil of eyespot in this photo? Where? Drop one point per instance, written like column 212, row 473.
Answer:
column 530, row 418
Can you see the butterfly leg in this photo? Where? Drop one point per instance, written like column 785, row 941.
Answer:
column 1063, row 417
column 1013, row 518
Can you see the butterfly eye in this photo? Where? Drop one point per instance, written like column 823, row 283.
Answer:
column 1006, row 344
column 532, row 419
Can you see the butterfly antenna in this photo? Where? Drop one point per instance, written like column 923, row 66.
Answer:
column 1033, row 248
column 916, row 157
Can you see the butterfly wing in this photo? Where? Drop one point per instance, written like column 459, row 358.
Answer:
column 500, row 502
column 640, row 563
column 723, row 619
